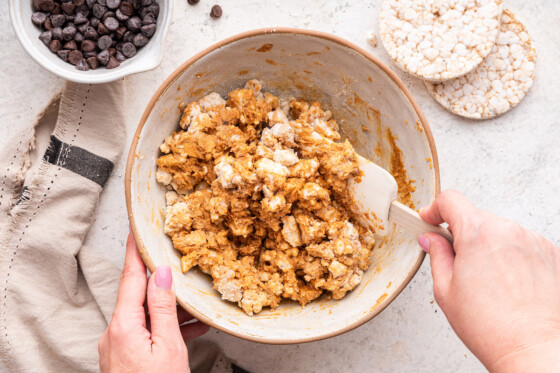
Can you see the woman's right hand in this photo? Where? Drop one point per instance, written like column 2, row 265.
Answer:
column 499, row 286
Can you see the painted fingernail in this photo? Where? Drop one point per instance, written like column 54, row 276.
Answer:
column 424, row 243
column 163, row 277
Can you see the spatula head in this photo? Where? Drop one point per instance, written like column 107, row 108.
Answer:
column 373, row 194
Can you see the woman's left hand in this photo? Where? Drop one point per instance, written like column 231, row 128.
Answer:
column 136, row 342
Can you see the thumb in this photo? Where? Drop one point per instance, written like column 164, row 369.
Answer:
column 162, row 306
column 442, row 257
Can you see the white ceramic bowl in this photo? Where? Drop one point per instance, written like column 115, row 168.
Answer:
column 148, row 57
column 360, row 91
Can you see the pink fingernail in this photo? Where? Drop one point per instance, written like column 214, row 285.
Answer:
column 424, row 243
column 163, row 277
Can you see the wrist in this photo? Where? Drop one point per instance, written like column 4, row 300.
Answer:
column 538, row 357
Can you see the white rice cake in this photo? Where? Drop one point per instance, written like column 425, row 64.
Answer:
column 438, row 40
column 499, row 83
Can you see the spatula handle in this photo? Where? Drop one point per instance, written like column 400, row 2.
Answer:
column 412, row 222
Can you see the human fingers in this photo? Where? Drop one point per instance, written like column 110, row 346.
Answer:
column 448, row 207
column 183, row 316
column 193, row 330
column 162, row 306
column 442, row 258
column 132, row 289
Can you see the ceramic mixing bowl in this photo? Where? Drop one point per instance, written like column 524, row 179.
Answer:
column 375, row 112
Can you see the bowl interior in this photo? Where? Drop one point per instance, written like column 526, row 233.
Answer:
column 148, row 57
column 366, row 101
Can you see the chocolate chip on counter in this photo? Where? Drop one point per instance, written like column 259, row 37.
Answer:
column 120, row 57
column 38, row 18
column 98, row 10
column 90, row 3
column 90, row 33
column 80, row 18
column 55, row 46
column 94, row 21
column 69, row 32
column 111, row 23
column 68, row 8
column 146, row 2
column 102, row 30
column 57, row 33
column 126, row 8
column 58, row 20
column 93, row 62
column 46, row 5
column 56, row 9
column 82, row 65
column 148, row 19
column 128, row 49
column 134, row 24
column 121, row 16
column 46, row 37
column 216, row 11
column 119, row 33
column 88, row 46
column 104, row 42
column 113, row 4
column 74, row 56
column 149, row 30
column 193, row 2
column 154, row 9
column 79, row 37
column 71, row 45
column 79, row 2
column 140, row 40
column 113, row 63
column 63, row 54
column 47, row 25
column 103, row 57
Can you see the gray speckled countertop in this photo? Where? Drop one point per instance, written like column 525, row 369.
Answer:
column 509, row 165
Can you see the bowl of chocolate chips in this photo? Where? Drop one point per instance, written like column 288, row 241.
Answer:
column 92, row 41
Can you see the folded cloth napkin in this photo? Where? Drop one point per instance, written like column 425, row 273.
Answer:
column 57, row 295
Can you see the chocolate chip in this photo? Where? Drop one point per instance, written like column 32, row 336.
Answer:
column 129, row 50
column 46, row 5
column 94, row 22
column 113, row 63
column 68, row 8
column 90, row 33
column 58, row 20
column 134, row 24
column 69, row 32
column 121, row 16
column 88, row 45
column 118, row 47
column 112, row 52
column 90, row 3
column 80, row 18
column 75, row 56
column 98, row 10
column 71, row 45
column 102, row 2
column 36, row 5
column 140, row 40
column 83, row 27
column 63, row 54
column 135, row 4
column 46, row 37
column 120, row 57
column 83, row 9
column 149, row 30
column 216, row 11
column 56, row 9
column 111, row 23
column 193, row 2
column 79, row 2
column 93, row 62
column 82, row 65
column 57, row 33
column 119, row 33
column 113, row 4
column 146, row 2
column 79, row 37
column 102, row 30
column 90, row 54
column 103, row 57
column 47, row 25
column 55, row 46
column 128, row 37
column 107, row 14
column 126, row 8
column 148, row 19
column 154, row 9
column 104, row 42
column 38, row 18
column 70, row 19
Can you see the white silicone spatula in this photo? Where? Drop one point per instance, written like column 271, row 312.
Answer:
column 375, row 196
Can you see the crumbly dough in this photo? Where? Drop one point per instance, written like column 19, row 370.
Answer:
column 257, row 199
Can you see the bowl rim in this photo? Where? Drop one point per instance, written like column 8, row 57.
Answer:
column 171, row 78
column 145, row 63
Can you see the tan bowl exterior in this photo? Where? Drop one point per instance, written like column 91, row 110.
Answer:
column 353, row 85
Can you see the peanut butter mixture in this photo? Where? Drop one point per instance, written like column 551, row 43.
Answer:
column 257, row 199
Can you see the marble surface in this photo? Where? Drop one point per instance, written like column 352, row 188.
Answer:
column 508, row 165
